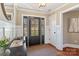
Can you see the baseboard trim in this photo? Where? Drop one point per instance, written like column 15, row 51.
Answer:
column 71, row 45
column 54, row 47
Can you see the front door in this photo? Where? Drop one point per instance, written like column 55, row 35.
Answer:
column 34, row 31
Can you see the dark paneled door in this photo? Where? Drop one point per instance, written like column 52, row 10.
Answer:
column 34, row 31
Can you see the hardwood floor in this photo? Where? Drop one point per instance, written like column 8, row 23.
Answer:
column 41, row 50
column 48, row 50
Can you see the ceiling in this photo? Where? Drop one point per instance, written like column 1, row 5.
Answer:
column 35, row 6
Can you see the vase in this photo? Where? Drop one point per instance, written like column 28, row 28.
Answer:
column 1, row 51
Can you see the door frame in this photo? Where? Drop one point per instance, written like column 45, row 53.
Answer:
column 33, row 16
column 61, row 20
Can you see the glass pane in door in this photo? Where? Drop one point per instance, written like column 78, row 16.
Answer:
column 42, row 26
column 25, row 23
column 34, row 27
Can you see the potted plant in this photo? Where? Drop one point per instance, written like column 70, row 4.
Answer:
column 3, row 44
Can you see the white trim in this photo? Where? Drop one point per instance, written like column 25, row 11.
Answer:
column 14, row 21
column 34, row 11
column 71, row 45
column 33, row 15
column 61, row 30
column 58, row 8
column 42, row 12
column 69, row 9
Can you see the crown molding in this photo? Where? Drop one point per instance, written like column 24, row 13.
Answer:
column 31, row 10
column 50, row 12
column 38, row 11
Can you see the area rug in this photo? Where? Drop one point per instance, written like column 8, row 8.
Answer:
column 68, row 51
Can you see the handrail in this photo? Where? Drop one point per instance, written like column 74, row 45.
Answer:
column 4, row 12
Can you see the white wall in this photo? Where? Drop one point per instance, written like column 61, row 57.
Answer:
column 52, row 30
column 8, row 29
column 55, row 32
column 19, row 31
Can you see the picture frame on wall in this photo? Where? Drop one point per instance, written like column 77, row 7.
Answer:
column 73, row 25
